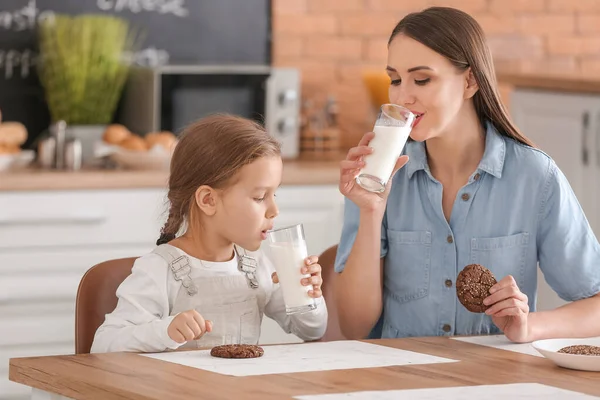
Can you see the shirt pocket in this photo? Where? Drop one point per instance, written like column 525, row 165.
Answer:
column 503, row 255
column 407, row 264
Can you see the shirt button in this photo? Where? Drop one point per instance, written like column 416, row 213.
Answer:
column 449, row 239
column 465, row 196
column 448, row 283
column 477, row 176
column 446, row 328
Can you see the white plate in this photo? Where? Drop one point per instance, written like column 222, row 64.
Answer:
column 549, row 349
column 16, row 161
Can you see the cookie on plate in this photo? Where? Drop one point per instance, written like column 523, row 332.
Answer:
column 237, row 351
column 473, row 285
column 581, row 349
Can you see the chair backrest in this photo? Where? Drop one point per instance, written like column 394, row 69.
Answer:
column 96, row 297
column 327, row 261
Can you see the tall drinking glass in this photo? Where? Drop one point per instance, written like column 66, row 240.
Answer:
column 287, row 247
column 392, row 129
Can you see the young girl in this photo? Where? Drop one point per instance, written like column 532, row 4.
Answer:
column 212, row 285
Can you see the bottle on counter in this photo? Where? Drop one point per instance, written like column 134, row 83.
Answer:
column 51, row 151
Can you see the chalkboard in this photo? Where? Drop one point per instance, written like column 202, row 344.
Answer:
column 176, row 32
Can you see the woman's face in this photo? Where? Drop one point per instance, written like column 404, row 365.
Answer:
column 429, row 85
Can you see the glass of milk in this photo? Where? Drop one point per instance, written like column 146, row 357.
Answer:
column 287, row 248
column 392, row 129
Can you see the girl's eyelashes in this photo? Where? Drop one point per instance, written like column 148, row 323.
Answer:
column 262, row 198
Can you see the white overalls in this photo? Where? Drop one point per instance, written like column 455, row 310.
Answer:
column 234, row 303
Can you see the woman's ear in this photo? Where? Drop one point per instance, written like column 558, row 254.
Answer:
column 206, row 199
column 471, row 86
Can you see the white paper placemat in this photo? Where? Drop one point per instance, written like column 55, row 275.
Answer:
column 500, row 342
column 529, row 391
column 318, row 356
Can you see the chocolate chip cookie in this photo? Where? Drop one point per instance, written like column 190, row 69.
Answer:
column 473, row 285
column 237, row 351
column 581, row 349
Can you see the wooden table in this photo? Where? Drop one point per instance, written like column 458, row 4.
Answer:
column 130, row 376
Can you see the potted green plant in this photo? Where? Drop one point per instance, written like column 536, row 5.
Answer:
column 83, row 68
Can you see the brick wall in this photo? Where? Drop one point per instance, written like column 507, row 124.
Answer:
column 332, row 41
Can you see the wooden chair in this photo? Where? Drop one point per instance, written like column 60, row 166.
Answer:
column 327, row 260
column 96, row 297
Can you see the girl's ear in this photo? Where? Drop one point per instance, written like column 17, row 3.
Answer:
column 471, row 86
column 206, row 199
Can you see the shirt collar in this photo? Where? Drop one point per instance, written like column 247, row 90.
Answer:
column 417, row 158
column 492, row 161
column 495, row 151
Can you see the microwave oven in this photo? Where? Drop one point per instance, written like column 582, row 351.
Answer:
column 169, row 97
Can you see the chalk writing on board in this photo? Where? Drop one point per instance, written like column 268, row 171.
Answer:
column 19, row 63
column 25, row 18
column 175, row 7
column 15, row 62
column 149, row 57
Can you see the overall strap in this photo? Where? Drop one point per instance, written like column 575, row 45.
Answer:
column 180, row 267
column 247, row 265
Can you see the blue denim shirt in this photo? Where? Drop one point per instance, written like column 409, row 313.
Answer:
column 516, row 210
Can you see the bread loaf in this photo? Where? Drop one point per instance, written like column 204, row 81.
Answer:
column 4, row 149
column 134, row 143
column 12, row 134
column 115, row 134
column 165, row 139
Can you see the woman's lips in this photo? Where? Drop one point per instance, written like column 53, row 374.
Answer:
column 418, row 117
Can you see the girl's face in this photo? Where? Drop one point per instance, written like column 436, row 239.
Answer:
column 246, row 209
column 429, row 85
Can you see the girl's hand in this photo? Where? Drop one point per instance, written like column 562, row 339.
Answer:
column 314, row 269
column 315, row 278
column 509, row 309
column 188, row 325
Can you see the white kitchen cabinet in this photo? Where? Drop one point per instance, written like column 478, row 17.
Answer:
column 567, row 128
column 49, row 239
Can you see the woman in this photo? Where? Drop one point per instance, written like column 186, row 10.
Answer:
column 475, row 191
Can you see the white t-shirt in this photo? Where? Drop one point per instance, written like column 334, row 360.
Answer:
column 139, row 322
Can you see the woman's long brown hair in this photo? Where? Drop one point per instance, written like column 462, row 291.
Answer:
column 457, row 36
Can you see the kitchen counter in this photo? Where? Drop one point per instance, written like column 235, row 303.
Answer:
column 575, row 83
column 295, row 172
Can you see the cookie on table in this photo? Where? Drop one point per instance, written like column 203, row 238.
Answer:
column 237, row 351
column 473, row 285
